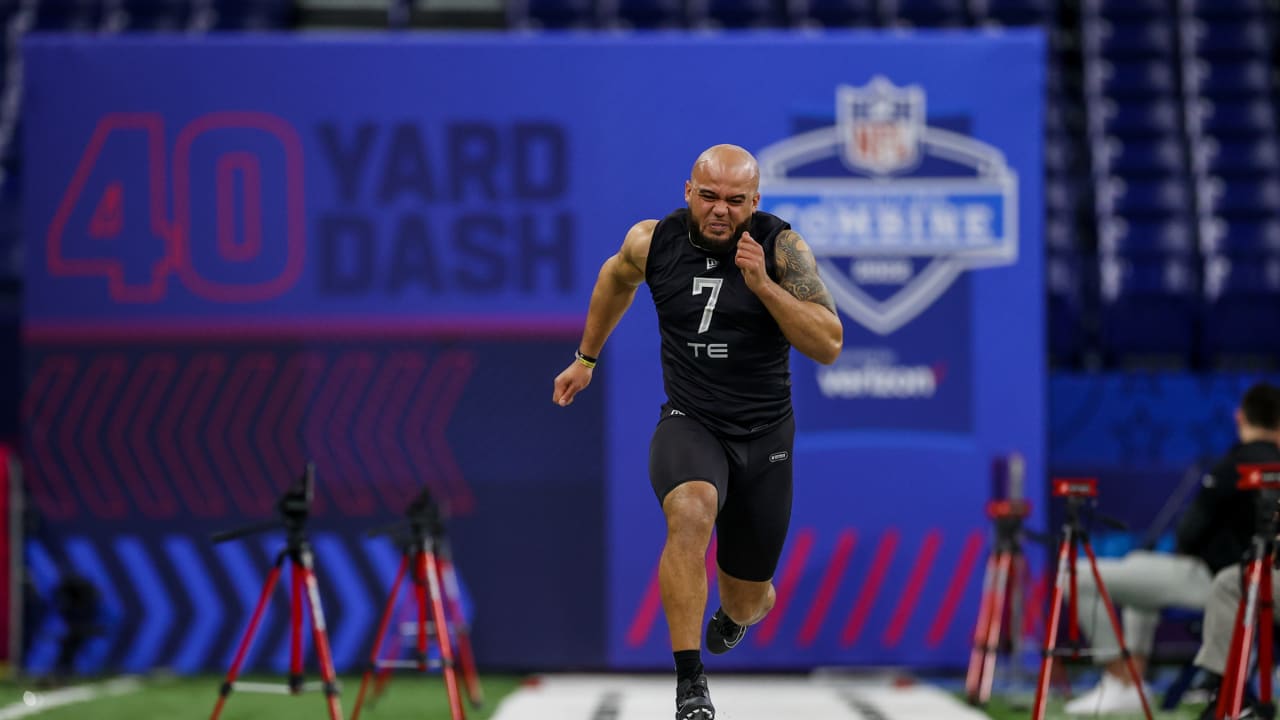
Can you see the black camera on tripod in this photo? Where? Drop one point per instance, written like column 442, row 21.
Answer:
column 1265, row 480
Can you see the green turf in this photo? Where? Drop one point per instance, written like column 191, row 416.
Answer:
column 407, row 696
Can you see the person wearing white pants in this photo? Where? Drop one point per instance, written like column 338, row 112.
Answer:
column 1212, row 534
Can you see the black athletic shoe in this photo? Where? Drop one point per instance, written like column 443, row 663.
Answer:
column 693, row 700
column 723, row 634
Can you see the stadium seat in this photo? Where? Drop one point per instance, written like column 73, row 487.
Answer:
column 1233, row 116
column 1240, row 236
column 1225, row 38
column 1066, row 309
column 155, row 15
column 552, row 14
column 1242, row 308
column 643, row 14
column 1141, row 237
column 1141, row 156
column 1234, row 9
column 1239, row 197
column 1166, row 197
column 924, row 13
column 1231, row 157
column 1014, row 12
column 1142, row 78
column 1149, row 308
column 252, row 14
column 1143, row 117
column 67, row 15
column 734, row 14
column 833, row 13
column 1125, row 9
column 1227, row 78
column 1135, row 38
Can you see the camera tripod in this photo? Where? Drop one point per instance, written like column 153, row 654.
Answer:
column 294, row 508
column 1256, row 611
column 435, row 584
column 1005, row 573
column 1077, row 491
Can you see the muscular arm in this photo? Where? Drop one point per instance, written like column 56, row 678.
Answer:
column 801, row 303
column 616, row 286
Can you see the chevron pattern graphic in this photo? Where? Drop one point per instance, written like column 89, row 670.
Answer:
column 183, row 603
column 166, row 434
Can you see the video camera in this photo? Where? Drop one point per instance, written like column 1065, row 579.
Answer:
column 1263, row 478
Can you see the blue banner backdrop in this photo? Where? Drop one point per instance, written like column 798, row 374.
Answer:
column 372, row 195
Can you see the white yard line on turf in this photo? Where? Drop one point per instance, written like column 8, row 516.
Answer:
column 37, row 702
column 620, row 697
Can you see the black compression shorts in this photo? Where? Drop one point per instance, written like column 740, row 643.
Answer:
column 752, row 479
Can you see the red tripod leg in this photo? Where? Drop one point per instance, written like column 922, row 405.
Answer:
column 977, row 656
column 442, row 636
column 1265, row 636
column 1115, row 625
column 296, row 589
column 452, row 592
column 247, row 640
column 1231, row 697
column 996, row 624
column 1073, row 602
column 1051, row 629
column 380, row 637
column 322, row 641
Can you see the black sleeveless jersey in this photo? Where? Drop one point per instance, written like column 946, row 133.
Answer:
column 725, row 361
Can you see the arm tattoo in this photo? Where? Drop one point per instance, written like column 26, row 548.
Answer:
column 798, row 271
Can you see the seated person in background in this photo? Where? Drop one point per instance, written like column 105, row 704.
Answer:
column 1211, row 535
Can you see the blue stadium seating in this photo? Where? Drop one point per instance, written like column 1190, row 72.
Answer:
column 1135, row 38
column 1225, row 38
column 924, row 13
column 1240, row 237
column 1014, row 12
column 1142, row 237
column 1149, row 307
column 67, row 15
column 1254, row 115
column 643, row 14
column 552, row 14
column 833, row 13
column 734, row 14
column 1242, row 311
column 1142, row 156
column 1228, row 77
column 1236, row 156
column 155, row 15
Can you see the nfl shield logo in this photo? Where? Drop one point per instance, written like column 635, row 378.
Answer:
column 880, row 125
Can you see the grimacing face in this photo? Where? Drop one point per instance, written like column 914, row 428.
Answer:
column 721, row 203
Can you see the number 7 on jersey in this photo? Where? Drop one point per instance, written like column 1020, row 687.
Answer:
column 700, row 284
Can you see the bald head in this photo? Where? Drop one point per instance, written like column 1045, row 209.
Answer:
column 726, row 163
column 723, row 191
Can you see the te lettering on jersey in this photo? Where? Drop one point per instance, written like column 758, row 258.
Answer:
column 715, row 351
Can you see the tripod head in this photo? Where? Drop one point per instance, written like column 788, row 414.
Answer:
column 294, row 508
column 1263, row 478
column 426, row 522
column 1082, row 493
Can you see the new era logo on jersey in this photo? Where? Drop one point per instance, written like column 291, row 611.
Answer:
column 712, row 263
column 778, row 456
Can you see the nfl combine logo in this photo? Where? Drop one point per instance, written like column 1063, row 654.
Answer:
column 914, row 208
column 881, row 124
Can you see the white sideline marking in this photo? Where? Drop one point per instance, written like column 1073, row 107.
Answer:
column 37, row 702
column 620, row 697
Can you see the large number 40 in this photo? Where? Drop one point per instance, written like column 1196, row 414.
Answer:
column 237, row 229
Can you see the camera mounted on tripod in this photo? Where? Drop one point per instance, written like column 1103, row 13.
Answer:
column 1264, row 478
column 294, row 508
